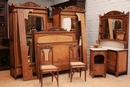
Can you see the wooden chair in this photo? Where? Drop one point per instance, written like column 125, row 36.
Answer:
column 76, row 64
column 46, row 64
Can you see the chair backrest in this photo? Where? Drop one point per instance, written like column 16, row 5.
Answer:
column 46, row 55
column 74, row 53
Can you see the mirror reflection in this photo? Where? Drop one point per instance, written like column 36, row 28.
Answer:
column 33, row 22
column 113, row 29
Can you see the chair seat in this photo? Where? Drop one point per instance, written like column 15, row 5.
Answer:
column 77, row 63
column 48, row 67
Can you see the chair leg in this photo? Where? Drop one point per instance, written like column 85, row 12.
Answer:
column 52, row 76
column 41, row 80
column 39, row 77
column 80, row 71
column 85, row 73
column 57, row 78
column 69, row 72
column 71, row 75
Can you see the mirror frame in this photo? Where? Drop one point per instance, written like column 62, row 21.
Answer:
column 115, row 15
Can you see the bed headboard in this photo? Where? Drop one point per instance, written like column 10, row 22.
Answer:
column 54, row 35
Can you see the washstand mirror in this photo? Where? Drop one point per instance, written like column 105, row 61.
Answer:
column 113, row 26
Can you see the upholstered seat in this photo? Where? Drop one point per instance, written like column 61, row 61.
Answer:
column 42, row 67
column 77, row 64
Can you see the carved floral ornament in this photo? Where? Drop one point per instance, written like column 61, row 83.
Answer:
column 31, row 4
column 73, row 8
column 114, row 13
column 55, row 29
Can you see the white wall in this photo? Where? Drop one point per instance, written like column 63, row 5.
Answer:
column 96, row 7
column 39, row 2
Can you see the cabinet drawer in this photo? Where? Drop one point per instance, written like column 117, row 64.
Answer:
column 111, row 63
column 111, row 68
column 98, row 68
column 111, row 56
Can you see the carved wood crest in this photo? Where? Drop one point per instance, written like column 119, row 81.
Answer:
column 114, row 13
column 31, row 4
column 55, row 29
column 73, row 8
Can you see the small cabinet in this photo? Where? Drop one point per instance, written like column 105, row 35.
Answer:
column 117, row 62
column 98, row 62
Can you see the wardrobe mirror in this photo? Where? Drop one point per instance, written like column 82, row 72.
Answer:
column 33, row 22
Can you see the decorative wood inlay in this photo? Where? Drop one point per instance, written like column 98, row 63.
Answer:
column 59, row 61
column 73, row 8
column 55, row 29
column 31, row 4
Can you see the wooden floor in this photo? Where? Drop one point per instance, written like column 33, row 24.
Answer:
column 110, row 81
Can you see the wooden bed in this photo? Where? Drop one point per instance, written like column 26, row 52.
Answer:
column 59, row 39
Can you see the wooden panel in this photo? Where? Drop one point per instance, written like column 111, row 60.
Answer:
column 99, row 69
column 23, row 45
column 45, row 37
column 54, row 38
column 81, row 17
column 122, row 61
column 57, row 19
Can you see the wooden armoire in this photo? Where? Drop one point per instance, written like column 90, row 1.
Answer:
column 23, row 20
column 77, row 17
